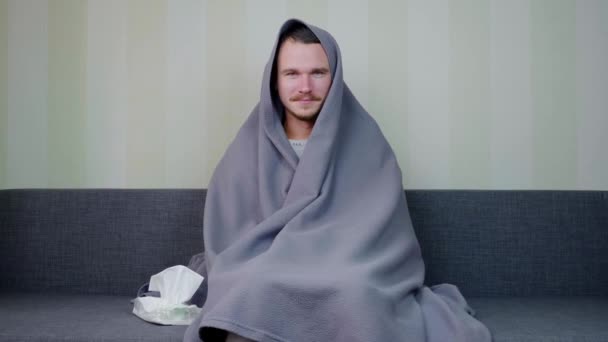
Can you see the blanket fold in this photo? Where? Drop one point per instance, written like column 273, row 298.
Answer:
column 318, row 248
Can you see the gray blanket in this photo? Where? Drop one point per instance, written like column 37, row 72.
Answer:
column 319, row 248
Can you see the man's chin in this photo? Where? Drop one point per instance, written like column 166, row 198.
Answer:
column 306, row 117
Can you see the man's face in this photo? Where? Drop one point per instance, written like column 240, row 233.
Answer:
column 303, row 79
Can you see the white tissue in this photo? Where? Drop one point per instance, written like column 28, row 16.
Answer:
column 176, row 285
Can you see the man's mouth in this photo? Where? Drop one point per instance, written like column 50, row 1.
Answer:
column 305, row 99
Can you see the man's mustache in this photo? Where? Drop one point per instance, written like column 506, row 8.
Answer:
column 305, row 97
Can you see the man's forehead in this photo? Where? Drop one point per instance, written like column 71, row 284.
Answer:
column 293, row 52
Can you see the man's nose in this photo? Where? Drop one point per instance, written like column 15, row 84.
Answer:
column 305, row 84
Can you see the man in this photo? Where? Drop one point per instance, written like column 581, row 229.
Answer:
column 302, row 79
column 313, row 242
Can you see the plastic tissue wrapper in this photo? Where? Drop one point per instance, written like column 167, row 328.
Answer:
column 176, row 285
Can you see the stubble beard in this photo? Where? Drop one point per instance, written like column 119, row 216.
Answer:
column 307, row 118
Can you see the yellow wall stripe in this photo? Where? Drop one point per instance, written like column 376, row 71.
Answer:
column 27, row 93
column 67, row 93
column 147, row 77
column 3, row 91
column 553, row 91
column 511, row 130
column 591, row 88
column 469, row 94
column 186, row 78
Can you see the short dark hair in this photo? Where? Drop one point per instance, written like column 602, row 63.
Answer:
column 299, row 33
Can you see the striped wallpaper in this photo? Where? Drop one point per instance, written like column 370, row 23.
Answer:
column 471, row 94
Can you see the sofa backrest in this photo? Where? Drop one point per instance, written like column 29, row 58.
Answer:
column 106, row 241
column 488, row 243
column 514, row 243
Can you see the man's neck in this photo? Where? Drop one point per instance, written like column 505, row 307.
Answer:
column 297, row 129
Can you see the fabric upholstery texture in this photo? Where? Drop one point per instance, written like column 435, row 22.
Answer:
column 108, row 318
column 97, row 242
column 75, row 318
column 540, row 319
column 488, row 243
column 514, row 243
column 539, row 258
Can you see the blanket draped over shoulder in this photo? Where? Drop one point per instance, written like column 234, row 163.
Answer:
column 318, row 248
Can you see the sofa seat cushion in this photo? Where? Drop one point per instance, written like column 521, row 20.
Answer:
column 565, row 319
column 60, row 317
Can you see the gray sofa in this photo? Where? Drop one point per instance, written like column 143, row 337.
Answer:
column 534, row 264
